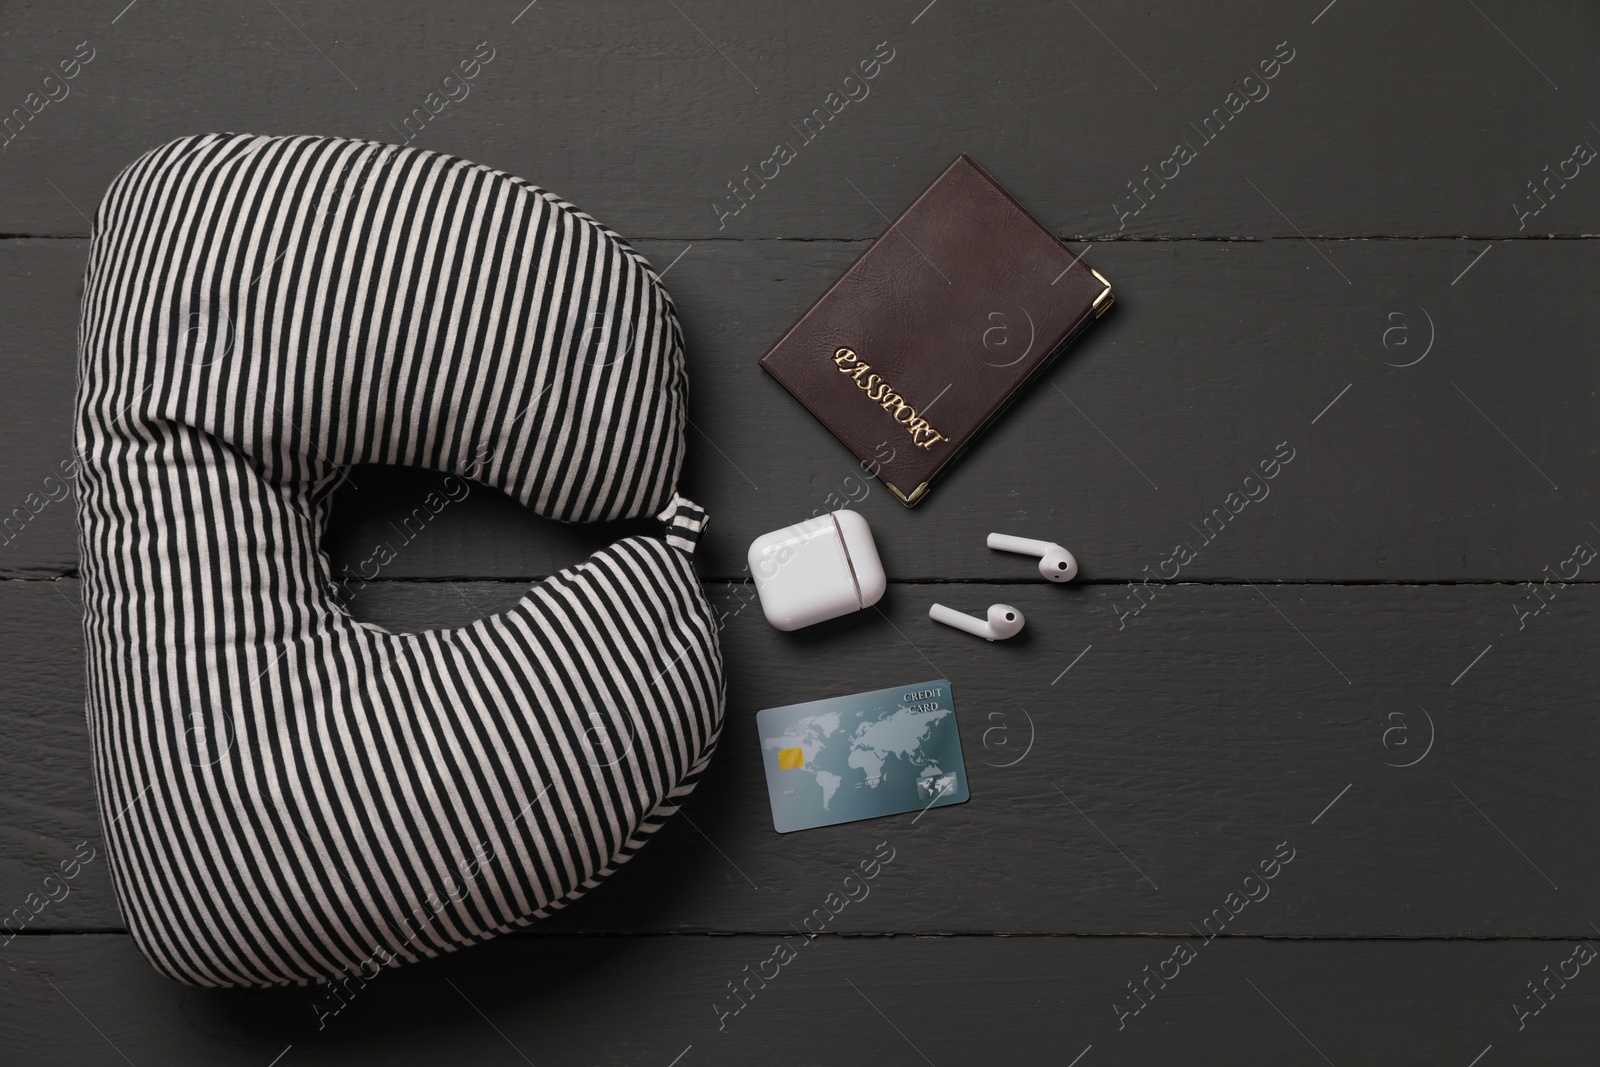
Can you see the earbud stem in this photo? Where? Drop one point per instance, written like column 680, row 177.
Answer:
column 1027, row 546
column 961, row 621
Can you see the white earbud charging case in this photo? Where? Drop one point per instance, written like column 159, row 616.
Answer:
column 817, row 570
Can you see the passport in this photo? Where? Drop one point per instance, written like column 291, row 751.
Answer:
column 936, row 328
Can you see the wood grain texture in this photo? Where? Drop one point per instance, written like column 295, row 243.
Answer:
column 1133, row 792
column 1465, row 466
column 905, row 1000
column 1128, row 771
column 641, row 114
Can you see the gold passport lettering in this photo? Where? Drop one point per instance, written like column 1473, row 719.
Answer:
column 881, row 393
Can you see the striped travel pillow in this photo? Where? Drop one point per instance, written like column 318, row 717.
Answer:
column 289, row 795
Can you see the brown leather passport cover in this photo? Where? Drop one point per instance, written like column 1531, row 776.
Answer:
column 935, row 327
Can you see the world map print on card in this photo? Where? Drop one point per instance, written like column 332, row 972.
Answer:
column 862, row 756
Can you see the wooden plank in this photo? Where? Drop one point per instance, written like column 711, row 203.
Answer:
column 661, row 1000
column 1066, row 104
column 1217, row 353
column 1123, row 779
column 1424, row 749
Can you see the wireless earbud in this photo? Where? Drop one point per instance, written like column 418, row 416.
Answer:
column 1004, row 621
column 1055, row 562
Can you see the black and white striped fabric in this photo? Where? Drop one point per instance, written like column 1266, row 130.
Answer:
column 291, row 796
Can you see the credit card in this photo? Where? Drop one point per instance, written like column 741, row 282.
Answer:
column 861, row 756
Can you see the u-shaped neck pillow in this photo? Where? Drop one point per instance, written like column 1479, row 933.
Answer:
column 289, row 795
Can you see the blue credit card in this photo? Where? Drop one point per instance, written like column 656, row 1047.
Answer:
column 862, row 756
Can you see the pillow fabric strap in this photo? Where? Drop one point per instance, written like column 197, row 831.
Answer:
column 685, row 521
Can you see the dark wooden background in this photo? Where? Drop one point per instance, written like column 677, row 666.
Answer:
column 1348, row 668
